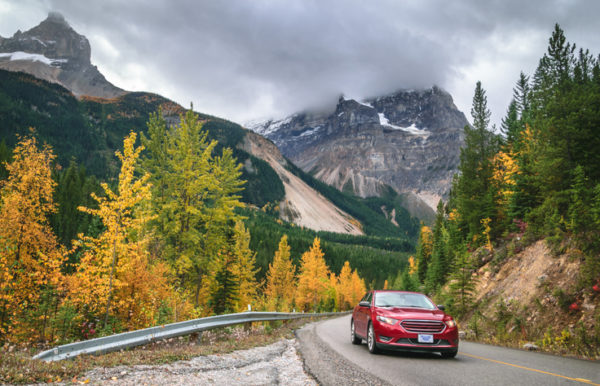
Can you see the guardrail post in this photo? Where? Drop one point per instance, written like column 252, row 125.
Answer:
column 196, row 337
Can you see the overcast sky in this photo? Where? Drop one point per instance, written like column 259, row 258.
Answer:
column 254, row 59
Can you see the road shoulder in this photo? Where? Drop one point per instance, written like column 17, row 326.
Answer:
column 327, row 366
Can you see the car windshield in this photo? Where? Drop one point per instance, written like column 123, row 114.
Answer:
column 397, row 299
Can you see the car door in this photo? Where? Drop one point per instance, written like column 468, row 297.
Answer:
column 362, row 316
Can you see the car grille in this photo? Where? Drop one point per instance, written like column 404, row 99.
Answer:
column 423, row 326
column 440, row 342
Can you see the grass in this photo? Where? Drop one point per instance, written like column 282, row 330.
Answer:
column 16, row 365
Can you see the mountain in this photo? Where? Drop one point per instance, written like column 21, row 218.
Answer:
column 53, row 51
column 409, row 140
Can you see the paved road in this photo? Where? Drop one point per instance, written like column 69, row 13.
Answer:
column 475, row 364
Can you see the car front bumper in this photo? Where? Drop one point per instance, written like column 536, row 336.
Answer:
column 401, row 346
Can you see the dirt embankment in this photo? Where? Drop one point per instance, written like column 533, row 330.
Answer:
column 533, row 296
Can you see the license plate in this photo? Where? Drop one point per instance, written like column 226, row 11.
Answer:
column 425, row 338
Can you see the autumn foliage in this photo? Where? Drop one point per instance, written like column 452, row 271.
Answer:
column 281, row 284
column 115, row 275
column 30, row 257
column 167, row 245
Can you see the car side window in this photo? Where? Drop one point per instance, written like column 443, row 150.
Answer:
column 364, row 298
column 369, row 297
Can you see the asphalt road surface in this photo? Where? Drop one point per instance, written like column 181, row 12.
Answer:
column 475, row 364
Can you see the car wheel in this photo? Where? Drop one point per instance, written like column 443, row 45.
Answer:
column 371, row 340
column 449, row 354
column 353, row 338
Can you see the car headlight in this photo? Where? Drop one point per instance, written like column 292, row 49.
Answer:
column 386, row 320
column 450, row 323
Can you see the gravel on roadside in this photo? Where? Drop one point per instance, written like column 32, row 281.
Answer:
column 327, row 366
column 274, row 364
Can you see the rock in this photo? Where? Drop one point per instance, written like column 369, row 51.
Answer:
column 530, row 347
column 461, row 334
column 542, row 278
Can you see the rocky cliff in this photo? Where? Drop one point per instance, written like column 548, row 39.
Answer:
column 53, row 51
column 409, row 140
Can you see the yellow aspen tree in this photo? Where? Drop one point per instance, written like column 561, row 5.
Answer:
column 486, row 233
column 358, row 288
column 281, row 279
column 345, row 288
column 424, row 250
column 313, row 279
column 99, row 283
column 505, row 172
column 244, row 267
column 30, row 256
column 412, row 265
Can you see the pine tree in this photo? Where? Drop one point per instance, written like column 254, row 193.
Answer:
column 474, row 194
column 5, row 158
column 405, row 281
column 225, row 288
column 511, row 126
column 521, row 95
column 439, row 266
column 73, row 190
column 462, row 284
column 155, row 162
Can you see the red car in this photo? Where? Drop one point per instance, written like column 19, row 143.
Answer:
column 399, row 320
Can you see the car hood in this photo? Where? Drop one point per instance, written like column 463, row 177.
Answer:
column 410, row 313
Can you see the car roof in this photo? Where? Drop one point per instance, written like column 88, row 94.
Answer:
column 402, row 292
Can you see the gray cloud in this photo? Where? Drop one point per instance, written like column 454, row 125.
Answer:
column 248, row 59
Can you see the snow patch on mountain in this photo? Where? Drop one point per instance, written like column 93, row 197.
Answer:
column 413, row 129
column 266, row 127
column 20, row 55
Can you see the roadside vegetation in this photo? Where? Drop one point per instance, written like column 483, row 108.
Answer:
column 17, row 367
column 539, row 180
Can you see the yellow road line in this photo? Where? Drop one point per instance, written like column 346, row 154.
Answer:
column 582, row 380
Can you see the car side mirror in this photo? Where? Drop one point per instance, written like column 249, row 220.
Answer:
column 441, row 307
column 365, row 304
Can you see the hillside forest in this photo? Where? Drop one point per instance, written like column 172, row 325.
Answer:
column 164, row 242
column 538, row 180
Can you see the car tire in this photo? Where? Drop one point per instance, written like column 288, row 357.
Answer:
column 371, row 341
column 353, row 338
column 449, row 354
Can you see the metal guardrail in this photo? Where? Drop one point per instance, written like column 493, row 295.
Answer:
column 124, row 340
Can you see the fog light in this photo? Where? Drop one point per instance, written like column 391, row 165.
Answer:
column 384, row 338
